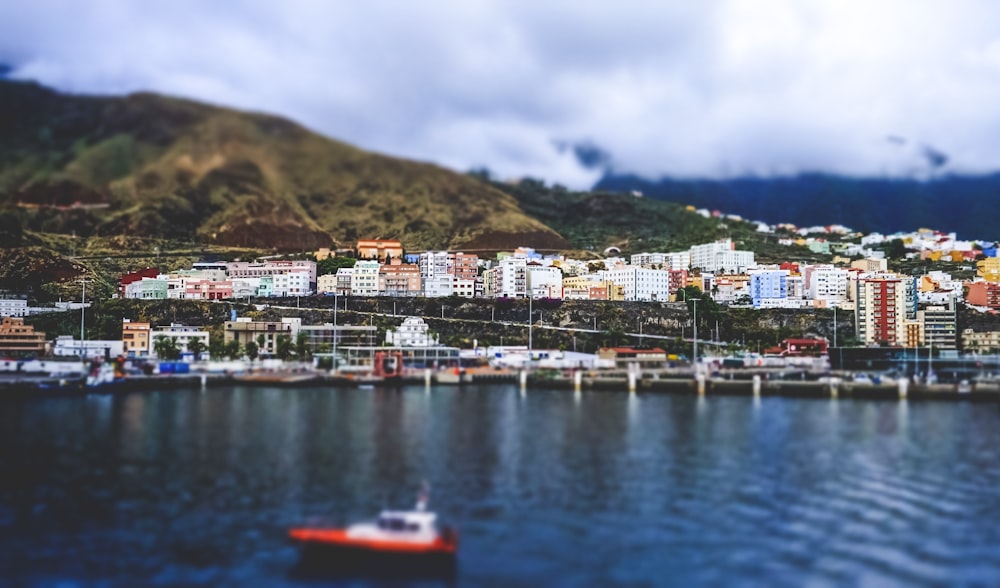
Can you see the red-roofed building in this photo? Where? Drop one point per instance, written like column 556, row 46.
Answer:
column 126, row 279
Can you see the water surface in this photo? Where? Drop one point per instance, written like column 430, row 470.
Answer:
column 546, row 488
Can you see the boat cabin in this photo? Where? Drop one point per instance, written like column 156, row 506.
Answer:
column 406, row 522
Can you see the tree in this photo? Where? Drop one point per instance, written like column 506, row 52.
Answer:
column 197, row 347
column 166, row 347
column 251, row 350
column 232, row 349
column 283, row 347
column 301, row 349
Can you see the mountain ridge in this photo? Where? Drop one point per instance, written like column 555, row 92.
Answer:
column 151, row 165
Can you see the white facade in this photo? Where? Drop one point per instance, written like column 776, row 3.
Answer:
column 67, row 346
column 720, row 256
column 13, row 307
column 364, row 279
column 640, row 283
column 414, row 332
column 825, row 282
column 509, row 278
column 544, row 281
column 436, row 273
column 294, row 283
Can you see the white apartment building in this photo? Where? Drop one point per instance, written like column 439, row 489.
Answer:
column 436, row 269
column 245, row 269
column 640, row 283
column 721, row 256
column 364, row 278
column 826, row 282
column 295, row 283
column 508, row 279
column 544, row 281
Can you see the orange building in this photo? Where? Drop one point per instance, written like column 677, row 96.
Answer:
column 135, row 338
column 17, row 338
column 379, row 249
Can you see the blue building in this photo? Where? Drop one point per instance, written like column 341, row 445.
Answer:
column 768, row 288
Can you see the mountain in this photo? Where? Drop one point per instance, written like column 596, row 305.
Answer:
column 153, row 166
column 963, row 204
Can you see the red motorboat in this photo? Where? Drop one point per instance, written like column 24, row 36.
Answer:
column 397, row 537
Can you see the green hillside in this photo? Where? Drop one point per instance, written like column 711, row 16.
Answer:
column 150, row 166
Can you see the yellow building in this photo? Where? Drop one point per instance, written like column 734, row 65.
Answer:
column 989, row 269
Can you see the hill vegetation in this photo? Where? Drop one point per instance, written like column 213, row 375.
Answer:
column 152, row 166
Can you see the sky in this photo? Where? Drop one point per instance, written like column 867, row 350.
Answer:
column 658, row 88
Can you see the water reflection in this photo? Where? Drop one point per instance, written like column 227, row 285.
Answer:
column 597, row 488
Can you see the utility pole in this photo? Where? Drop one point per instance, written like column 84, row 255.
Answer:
column 529, row 328
column 695, row 302
column 335, row 331
column 83, row 309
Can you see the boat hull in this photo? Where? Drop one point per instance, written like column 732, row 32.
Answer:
column 343, row 561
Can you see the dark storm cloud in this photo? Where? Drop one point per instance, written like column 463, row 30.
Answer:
column 707, row 88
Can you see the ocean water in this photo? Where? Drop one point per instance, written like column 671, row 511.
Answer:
column 199, row 488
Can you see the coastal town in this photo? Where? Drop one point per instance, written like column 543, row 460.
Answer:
column 890, row 311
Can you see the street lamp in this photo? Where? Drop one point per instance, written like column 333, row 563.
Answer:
column 694, row 301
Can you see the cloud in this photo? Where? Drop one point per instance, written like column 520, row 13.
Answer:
column 719, row 88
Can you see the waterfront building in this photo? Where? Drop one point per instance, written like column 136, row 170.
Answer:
column 67, row 346
column 980, row 341
column 135, row 338
column 321, row 338
column 182, row 335
column 244, row 330
column 626, row 357
column 18, row 339
column 880, row 310
column 940, row 326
